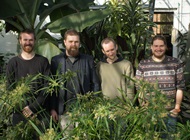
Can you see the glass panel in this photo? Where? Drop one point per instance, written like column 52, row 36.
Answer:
column 163, row 17
column 164, row 23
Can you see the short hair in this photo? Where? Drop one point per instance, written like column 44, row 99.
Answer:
column 28, row 31
column 159, row 37
column 71, row 32
column 107, row 40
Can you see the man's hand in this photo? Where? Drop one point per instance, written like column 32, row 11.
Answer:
column 27, row 112
column 174, row 112
column 54, row 115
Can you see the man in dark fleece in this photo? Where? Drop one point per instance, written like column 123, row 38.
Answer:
column 27, row 63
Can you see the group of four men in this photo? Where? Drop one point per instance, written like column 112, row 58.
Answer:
column 107, row 76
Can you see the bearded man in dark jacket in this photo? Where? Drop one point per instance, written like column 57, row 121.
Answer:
column 83, row 82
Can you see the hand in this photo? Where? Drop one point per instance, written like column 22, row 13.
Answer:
column 54, row 115
column 174, row 112
column 27, row 112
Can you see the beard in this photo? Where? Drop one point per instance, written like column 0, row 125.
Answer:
column 73, row 51
column 28, row 48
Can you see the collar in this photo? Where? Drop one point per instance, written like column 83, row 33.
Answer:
column 118, row 60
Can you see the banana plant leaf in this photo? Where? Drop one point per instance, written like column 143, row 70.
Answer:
column 9, row 8
column 47, row 49
column 78, row 4
column 78, row 21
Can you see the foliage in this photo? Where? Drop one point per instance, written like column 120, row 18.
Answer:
column 94, row 116
column 184, row 131
column 24, row 14
column 78, row 21
column 181, row 44
column 183, row 47
column 15, row 99
column 50, row 133
column 183, row 41
column 91, row 38
column 129, row 24
column 2, row 25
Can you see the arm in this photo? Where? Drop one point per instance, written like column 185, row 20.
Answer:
column 94, row 77
column 180, row 86
column 98, row 71
column 139, row 76
column 10, row 76
column 53, row 98
column 179, row 97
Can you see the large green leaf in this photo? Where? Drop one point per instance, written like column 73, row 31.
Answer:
column 77, row 4
column 78, row 21
column 74, row 6
column 49, row 10
column 47, row 49
column 34, row 11
column 46, row 12
column 9, row 8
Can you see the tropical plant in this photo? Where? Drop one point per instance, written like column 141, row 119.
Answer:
column 94, row 117
column 184, row 131
column 130, row 25
column 78, row 21
column 102, row 118
column 181, row 44
column 91, row 40
column 13, row 100
column 2, row 25
column 10, row 101
column 183, row 41
column 24, row 14
column 183, row 47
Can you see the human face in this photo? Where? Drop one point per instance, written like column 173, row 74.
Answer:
column 158, row 49
column 72, row 44
column 109, row 50
column 27, row 42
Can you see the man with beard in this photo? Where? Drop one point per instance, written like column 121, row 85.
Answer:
column 83, row 82
column 26, row 64
column 112, row 71
column 167, row 72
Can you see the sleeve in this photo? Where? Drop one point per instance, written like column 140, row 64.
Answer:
column 10, row 76
column 130, row 82
column 98, row 71
column 180, row 76
column 53, row 98
column 95, row 84
column 139, row 75
column 54, row 66
column 139, row 72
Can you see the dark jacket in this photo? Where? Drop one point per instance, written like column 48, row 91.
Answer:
column 87, row 78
